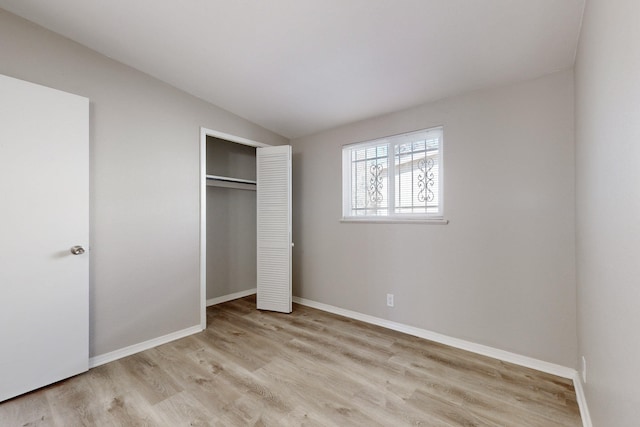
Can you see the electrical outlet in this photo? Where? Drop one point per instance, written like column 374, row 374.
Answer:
column 583, row 368
column 390, row 300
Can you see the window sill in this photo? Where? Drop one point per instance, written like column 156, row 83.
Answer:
column 387, row 220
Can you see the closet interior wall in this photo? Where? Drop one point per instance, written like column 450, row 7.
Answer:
column 231, row 219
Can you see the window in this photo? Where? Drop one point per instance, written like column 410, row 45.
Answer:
column 394, row 178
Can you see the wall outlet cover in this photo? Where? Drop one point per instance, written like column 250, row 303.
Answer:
column 390, row 300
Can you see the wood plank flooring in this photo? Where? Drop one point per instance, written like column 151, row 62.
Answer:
column 311, row 368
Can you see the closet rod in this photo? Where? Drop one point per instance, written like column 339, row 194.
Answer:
column 230, row 179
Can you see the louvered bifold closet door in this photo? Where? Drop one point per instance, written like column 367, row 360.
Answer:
column 274, row 228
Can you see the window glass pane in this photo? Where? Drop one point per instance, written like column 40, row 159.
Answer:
column 358, row 184
column 414, row 169
column 369, row 181
column 416, row 176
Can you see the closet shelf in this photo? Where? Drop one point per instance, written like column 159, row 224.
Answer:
column 229, row 182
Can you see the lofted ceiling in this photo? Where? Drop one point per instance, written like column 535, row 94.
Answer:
column 297, row 67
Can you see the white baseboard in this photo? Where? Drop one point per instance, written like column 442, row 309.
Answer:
column 146, row 345
column 582, row 401
column 230, row 297
column 529, row 362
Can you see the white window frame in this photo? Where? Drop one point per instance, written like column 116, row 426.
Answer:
column 391, row 216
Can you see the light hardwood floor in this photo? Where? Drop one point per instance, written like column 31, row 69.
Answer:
column 252, row 368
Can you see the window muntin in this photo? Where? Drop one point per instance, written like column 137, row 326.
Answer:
column 394, row 177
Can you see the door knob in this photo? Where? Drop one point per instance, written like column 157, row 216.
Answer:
column 77, row 250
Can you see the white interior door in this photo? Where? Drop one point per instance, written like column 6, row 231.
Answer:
column 44, row 212
column 274, row 228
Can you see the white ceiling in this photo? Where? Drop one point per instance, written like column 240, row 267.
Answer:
column 300, row 66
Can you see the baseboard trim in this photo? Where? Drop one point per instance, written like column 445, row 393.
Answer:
column 505, row 356
column 230, row 297
column 582, row 401
column 146, row 345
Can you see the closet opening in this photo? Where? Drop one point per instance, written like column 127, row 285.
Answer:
column 228, row 238
column 245, row 222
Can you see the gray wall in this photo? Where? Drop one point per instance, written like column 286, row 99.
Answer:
column 502, row 273
column 608, row 208
column 231, row 220
column 144, row 143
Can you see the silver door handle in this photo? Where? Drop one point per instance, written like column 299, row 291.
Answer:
column 77, row 250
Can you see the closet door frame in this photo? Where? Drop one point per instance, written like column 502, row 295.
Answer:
column 204, row 133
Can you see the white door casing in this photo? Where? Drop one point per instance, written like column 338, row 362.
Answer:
column 274, row 228
column 44, row 211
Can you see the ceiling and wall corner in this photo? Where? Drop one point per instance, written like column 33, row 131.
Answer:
column 297, row 68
